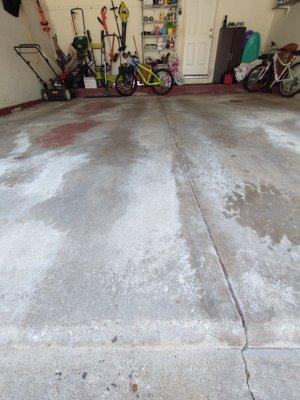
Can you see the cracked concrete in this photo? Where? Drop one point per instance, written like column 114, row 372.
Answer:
column 149, row 249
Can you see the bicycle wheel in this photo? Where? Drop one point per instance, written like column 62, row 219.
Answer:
column 67, row 95
column 179, row 78
column 126, row 84
column 166, row 79
column 290, row 85
column 257, row 79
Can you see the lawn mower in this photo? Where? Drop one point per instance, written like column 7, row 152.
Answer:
column 58, row 88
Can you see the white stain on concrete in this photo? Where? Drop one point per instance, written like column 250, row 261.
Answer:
column 47, row 173
column 275, row 294
column 288, row 140
column 49, row 181
column 22, row 144
column 28, row 247
column 27, row 251
column 282, row 128
column 146, row 239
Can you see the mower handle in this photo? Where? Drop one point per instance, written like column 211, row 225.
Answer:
column 27, row 46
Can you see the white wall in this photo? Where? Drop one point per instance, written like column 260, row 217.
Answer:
column 257, row 15
column 60, row 16
column 286, row 27
column 17, row 82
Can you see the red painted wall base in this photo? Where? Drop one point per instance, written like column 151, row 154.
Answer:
column 176, row 91
column 21, row 106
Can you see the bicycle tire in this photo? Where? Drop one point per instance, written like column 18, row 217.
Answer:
column 252, row 74
column 179, row 79
column 67, row 95
column 283, row 92
column 131, row 82
column 168, row 88
column 44, row 95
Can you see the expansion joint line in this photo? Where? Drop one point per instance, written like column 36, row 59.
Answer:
column 183, row 164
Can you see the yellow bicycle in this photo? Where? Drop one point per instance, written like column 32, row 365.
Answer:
column 160, row 80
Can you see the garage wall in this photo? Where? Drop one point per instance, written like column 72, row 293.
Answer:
column 286, row 27
column 17, row 82
column 257, row 15
column 59, row 12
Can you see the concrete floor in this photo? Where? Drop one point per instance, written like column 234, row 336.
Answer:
column 149, row 248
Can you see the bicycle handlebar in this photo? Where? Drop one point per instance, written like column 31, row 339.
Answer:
column 128, row 54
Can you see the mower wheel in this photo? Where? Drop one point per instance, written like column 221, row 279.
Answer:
column 44, row 95
column 67, row 94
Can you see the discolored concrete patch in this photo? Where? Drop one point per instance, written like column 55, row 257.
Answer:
column 249, row 196
column 22, row 176
column 65, row 134
column 95, row 107
column 266, row 210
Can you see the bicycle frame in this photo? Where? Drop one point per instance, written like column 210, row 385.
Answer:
column 139, row 68
column 287, row 67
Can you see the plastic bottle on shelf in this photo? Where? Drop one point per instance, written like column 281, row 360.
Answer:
column 171, row 43
column 170, row 28
column 160, row 44
column 164, row 31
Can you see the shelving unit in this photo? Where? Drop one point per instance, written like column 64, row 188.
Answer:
column 159, row 13
column 284, row 6
column 157, row 36
column 156, row 22
column 160, row 6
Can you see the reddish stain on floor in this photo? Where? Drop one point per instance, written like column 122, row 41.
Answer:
column 65, row 134
column 21, row 157
column 91, row 109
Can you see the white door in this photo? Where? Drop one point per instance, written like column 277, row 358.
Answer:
column 199, row 16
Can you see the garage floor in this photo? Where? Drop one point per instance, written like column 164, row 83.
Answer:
column 149, row 248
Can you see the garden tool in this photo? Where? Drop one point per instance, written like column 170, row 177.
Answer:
column 80, row 43
column 123, row 12
column 102, row 19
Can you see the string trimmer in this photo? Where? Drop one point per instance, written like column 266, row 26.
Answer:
column 102, row 19
column 114, row 10
column 45, row 23
column 123, row 12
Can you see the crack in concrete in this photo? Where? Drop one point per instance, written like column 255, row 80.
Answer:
column 183, row 163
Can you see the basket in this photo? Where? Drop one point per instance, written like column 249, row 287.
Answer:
column 286, row 55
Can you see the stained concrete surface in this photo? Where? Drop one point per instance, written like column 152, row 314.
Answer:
column 150, row 249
